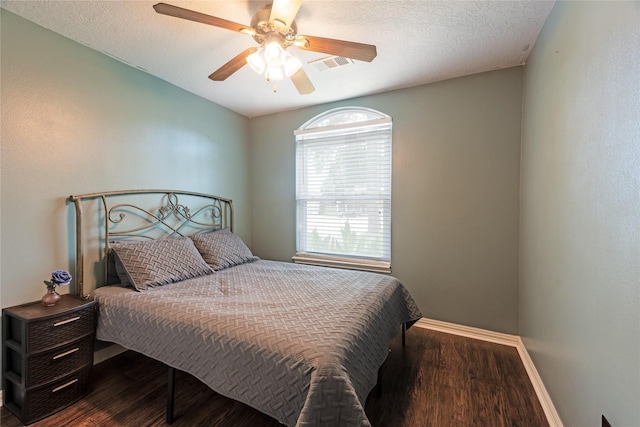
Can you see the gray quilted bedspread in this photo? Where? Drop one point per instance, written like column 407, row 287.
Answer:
column 301, row 344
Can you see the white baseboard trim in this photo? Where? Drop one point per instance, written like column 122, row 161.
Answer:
column 505, row 339
column 545, row 400
column 107, row 353
column 468, row 331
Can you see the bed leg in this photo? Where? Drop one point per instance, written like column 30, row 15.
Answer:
column 379, row 383
column 404, row 333
column 171, row 382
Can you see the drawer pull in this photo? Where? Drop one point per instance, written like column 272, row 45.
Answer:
column 64, row 322
column 66, row 353
column 65, row 385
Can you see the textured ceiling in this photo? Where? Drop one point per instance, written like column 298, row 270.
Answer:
column 418, row 42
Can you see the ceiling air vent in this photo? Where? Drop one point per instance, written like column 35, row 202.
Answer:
column 329, row 62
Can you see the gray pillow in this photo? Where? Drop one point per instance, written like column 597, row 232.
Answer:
column 159, row 262
column 223, row 249
column 116, row 274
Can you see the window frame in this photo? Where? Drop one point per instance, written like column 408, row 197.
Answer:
column 340, row 122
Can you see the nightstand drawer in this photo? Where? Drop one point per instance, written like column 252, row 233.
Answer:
column 59, row 362
column 35, row 404
column 43, row 335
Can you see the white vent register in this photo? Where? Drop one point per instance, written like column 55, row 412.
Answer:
column 330, row 62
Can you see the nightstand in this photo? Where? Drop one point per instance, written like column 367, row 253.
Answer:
column 47, row 356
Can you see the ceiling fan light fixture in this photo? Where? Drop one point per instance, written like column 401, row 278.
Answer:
column 291, row 64
column 274, row 72
column 256, row 61
column 274, row 61
column 273, row 53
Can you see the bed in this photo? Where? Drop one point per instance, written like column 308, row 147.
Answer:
column 302, row 344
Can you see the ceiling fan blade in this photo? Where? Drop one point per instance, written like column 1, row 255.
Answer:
column 302, row 83
column 232, row 66
column 178, row 12
column 353, row 50
column 284, row 11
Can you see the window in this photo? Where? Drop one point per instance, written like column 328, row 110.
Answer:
column 343, row 190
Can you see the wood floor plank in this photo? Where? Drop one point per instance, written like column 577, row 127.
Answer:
column 437, row 380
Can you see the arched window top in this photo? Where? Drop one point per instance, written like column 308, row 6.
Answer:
column 344, row 116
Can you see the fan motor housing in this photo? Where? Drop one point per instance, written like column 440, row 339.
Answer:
column 260, row 21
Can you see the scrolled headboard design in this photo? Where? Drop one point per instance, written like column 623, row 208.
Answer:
column 143, row 214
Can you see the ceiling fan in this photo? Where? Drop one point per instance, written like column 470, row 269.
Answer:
column 274, row 29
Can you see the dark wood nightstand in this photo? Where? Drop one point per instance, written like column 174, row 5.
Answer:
column 47, row 356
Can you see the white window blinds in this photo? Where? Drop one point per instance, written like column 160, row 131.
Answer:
column 343, row 193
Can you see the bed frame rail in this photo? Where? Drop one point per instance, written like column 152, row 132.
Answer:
column 153, row 214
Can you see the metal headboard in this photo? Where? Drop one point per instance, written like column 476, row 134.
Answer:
column 165, row 213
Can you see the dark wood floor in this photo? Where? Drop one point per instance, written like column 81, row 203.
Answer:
column 436, row 380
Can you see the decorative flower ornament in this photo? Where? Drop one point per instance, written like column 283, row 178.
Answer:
column 58, row 278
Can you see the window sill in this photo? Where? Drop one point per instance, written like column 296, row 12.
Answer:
column 347, row 263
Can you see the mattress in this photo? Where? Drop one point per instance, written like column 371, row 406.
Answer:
column 302, row 344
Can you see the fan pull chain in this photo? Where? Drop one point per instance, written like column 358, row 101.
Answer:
column 275, row 88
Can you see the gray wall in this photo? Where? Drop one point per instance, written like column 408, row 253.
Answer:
column 76, row 121
column 580, row 221
column 456, row 152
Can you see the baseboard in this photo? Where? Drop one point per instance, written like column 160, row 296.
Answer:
column 1, row 399
column 107, row 353
column 504, row 339
column 468, row 332
column 538, row 385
